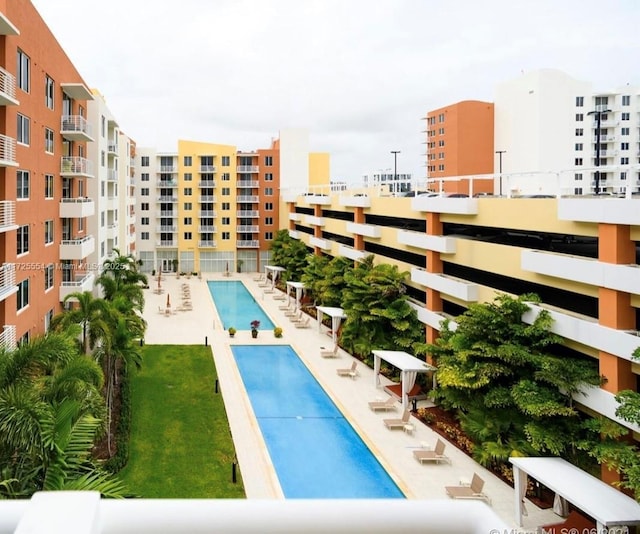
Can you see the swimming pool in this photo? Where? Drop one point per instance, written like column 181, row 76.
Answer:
column 315, row 451
column 236, row 306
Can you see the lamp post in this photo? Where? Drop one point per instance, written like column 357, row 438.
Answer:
column 395, row 169
column 598, row 113
column 500, row 152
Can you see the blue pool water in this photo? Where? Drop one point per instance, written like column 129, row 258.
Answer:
column 316, row 453
column 236, row 306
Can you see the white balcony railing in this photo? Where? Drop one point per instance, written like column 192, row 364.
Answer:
column 7, row 280
column 166, row 243
column 207, row 183
column 112, row 175
column 352, row 253
column 77, row 249
column 167, row 198
column 76, row 166
column 248, row 243
column 7, row 88
column 247, row 168
column 248, row 213
column 207, row 168
column 248, row 184
column 168, row 168
column 319, row 242
column 75, row 128
column 247, row 228
column 166, row 229
column 7, row 151
column 76, row 208
column 248, row 198
column 82, row 282
column 167, row 183
column 206, row 213
column 207, row 244
column 207, row 229
column 7, row 215
column 112, row 147
column 207, row 198
column 8, row 337
column 315, row 221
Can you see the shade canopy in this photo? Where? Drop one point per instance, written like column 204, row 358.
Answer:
column 608, row 506
column 336, row 314
column 275, row 270
column 409, row 367
column 299, row 287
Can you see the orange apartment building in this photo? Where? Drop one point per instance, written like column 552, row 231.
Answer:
column 42, row 159
column 460, row 143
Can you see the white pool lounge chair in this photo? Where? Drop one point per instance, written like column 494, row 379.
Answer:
column 326, row 353
column 437, row 455
column 392, row 424
column 304, row 323
column 351, row 372
column 383, row 406
column 472, row 491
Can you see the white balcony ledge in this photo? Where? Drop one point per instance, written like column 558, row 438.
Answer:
column 81, row 283
column 295, row 217
column 7, row 280
column 355, row 201
column 294, row 234
column 77, row 208
column 352, row 254
column 454, row 206
column 313, row 220
column 437, row 243
column 7, row 151
column 602, row 402
column 600, row 210
column 432, row 318
column 7, row 89
column 367, row 230
column 449, row 285
column 322, row 200
column 77, row 91
column 77, row 249
column 7, row 216
column 324, row 244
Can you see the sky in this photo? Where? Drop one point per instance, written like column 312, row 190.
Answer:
column 360, row 75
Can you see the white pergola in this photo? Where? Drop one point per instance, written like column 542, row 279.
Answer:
column 409, row 367
column 275, row 270
column 299, row 287
column 608, row 506
column 336, row 314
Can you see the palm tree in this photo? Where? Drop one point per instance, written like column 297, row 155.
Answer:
column 120, row 276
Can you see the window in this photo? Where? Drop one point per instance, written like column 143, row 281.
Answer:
column 624, row 131
column 24, row 130
column 48, row 232
column 602, row 101
column 80, row 225
column 48, row 277
column 188, row 161
column 268, row 161
column 226, row 221
column 226, row 191
column 626, row 116
column 102, row 219
column 578, row 176
column 624, row 146
column 23, row 294
column 49, row 91
column 103, row 126
column 268, row 177
column 579, row 117
column 578, row 146
column 579, row 132
column 144, row 206
column 22, row 179
column 144, row 236
column 102, row 158
column 144, row 177
column 268, row 220
column 187, row 235
column 268, row 191
column 226, row 206
column 626, row 100
column 47, row 320
column 144, row 161
column 577, row 161
column 441, row 167
column 268, row 206
column 624, row 161
column 268, row 236
column 188, row 191
column 48, row 140
column 144, row 191
column 226, row 177
column 226, row 161
column 440, row 131
column 623, row 175
column 579, row 101
column 48, row 186
column 441, row 142
column 23, row 72
column 226, row 236
column 188, row 206
column 188, row 177
column 144, row 221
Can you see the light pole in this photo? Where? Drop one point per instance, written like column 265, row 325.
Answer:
column 395, row 169
column 500, row 152
column 598, row 113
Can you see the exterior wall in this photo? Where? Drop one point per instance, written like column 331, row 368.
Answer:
column 319, row 168
column 294, row 158
column 46, row 58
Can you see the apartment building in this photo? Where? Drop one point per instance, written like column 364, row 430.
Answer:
column 44, row 140
column 459, row 143
column 214, row 208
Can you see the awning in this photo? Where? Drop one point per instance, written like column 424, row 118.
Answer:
column 299, row 287
column 607, row 505
column 409, row 366
column 275, row 271
column 336, row 314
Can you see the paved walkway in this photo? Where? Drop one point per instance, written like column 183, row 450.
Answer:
column 393, row 448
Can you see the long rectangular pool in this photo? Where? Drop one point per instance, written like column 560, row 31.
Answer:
column 315, row 451
column 236, row 306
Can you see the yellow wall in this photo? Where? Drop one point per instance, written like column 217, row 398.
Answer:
column 319, row 168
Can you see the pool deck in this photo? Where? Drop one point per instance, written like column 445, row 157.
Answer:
column 393, row 448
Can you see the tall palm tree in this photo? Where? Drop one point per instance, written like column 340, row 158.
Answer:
column 120, row 275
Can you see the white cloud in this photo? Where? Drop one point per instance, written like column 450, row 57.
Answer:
column 359, row 74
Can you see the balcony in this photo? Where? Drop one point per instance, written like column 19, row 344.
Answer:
column 432, row 318
column 207, row 198
column 602, row 402
column 323, row 244
column 112, row 175
column 8, row 216
column 207, row 183
column 247, row 168
column 167, row 183
column 7, row 28
column 247, row 228
column 207, row 229
column 7, row 89
column 248, row 243
column 206, row 213
column 77, row 249
column 248, row 184
column 7, row 151
column 367, row 230
column 7, row 280
column 112, row 148
column 75, row 166
column 167, row 198
column 355, row 201
column 75, row 128
column 168, row 168
column 207, row 168
column 295, row 217
column 77, row 91
column 77, row 208
column 437, row 243
column 294, row 234
column 599, row 210
column 112, row 231
column 207, row 244
column 8, row 337
column 313, row 220
column 352, row 253
column 322, row 200
column 81, row 283
column 248, row 198
column 166, row 243
column 166, row 229
column 167, row 213
column 248, row 213
column 443, row 204
column 625, row 278
column 449, row 285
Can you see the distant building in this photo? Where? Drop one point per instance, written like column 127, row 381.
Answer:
column 390, row 182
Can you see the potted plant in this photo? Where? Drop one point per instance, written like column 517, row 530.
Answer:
column 277, row 331
column 255, row 324
column 232, row 331
column 239, row 265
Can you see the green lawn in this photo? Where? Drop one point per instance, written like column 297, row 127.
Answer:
column 181, row 446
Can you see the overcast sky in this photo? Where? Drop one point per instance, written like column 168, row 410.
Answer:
column 358, row 74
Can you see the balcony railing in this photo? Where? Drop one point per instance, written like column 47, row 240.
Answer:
column 248, row 198
column 76, row 166
column 82, row 282
column 167, row 183
column 248, row 213
column 207, row 168
column 75, row 128
column 207, row 244
column 7, row 215
column 247, row 229
column 77, row 249
column 8, row 337
column 7, row 280
column 166, row 243
column 206, row 213
column 164, row 213
column 247, row 168
column 206, row 183
column 112, row 175
column 168, row 168
column 7, row 88
column 250, row 243
column 7, row 151
column 166, row 229
column 207, row 198
column 167, row 198
column 112, row 147
column 207, row 229
column 76, row 208
column 249, row 184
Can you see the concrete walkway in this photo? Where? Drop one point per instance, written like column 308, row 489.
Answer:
column 393, row 448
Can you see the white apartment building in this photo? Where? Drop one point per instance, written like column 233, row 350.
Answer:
column 388, row 180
